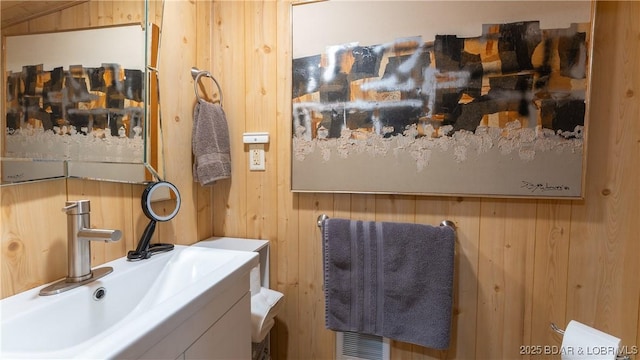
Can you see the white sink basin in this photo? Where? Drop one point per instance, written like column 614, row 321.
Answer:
column 140, row 301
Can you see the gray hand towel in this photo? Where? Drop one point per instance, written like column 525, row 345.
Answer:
column 210, row 143
column 389, row 279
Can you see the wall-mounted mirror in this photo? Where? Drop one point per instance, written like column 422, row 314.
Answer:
column 82, row 103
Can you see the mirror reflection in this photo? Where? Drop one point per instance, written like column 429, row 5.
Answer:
column 77, row 105
column 72, row 105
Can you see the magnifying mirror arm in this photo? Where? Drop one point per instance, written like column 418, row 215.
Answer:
column 142, row 251
column 145, row 249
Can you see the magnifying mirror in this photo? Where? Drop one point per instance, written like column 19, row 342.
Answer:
column 160, row 202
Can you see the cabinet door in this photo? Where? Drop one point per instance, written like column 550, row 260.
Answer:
column 228, row 338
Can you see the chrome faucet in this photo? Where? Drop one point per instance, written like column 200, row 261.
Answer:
column 79, row 233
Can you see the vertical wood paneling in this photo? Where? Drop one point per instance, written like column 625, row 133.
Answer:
column 506, row 257
column 551, row 265
column 603, row 266
column 21, row 28
column 342, row 205
column 77, row 17
column 128, row 12
column 313, row 340
column 204, row 52
column 230, row 197
column 261, row 102
column 519, row 264
column 103, row 11
column 49, row 22
column 177, row 56
column 284, row 271
column 363, row 207
column 156, row 9
column 34, row 248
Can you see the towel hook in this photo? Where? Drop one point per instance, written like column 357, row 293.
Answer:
column 196, row 74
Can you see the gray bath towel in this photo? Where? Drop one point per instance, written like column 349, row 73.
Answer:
column 389, row 279
column 210, row 143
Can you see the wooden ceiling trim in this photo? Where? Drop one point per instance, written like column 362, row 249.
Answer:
column 15, row 12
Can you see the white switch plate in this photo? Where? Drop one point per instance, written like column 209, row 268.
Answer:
column 256, row 157
column 255, row 138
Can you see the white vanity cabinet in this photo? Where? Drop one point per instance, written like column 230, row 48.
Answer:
column 189, row 302
column 262, row 350
column 228, row 338
column 219, row 329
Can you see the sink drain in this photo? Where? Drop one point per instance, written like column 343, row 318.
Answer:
column 99, row 294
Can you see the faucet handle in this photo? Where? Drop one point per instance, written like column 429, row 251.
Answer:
column 69, row 207
column 82, row 206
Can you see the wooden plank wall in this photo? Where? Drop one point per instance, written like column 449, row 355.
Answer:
column 520, row 264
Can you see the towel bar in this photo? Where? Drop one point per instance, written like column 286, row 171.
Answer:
column 323, row 217
column 196, row 74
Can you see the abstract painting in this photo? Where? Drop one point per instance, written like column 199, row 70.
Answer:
column 441, row 98
column 69, row 101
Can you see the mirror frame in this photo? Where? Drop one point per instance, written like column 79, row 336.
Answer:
column 151, row 167
column 154, row 192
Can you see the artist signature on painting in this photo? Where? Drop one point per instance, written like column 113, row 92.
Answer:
column 543, row 187
column 16, row 176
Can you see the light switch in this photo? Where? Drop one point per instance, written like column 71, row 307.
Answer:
column 255, row 138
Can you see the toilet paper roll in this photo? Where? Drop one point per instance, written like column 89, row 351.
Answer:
column 258, row 334
column 265, row 305
column 581, row 342
column 254, row 281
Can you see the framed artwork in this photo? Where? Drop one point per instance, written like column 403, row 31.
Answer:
column 472, row 98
